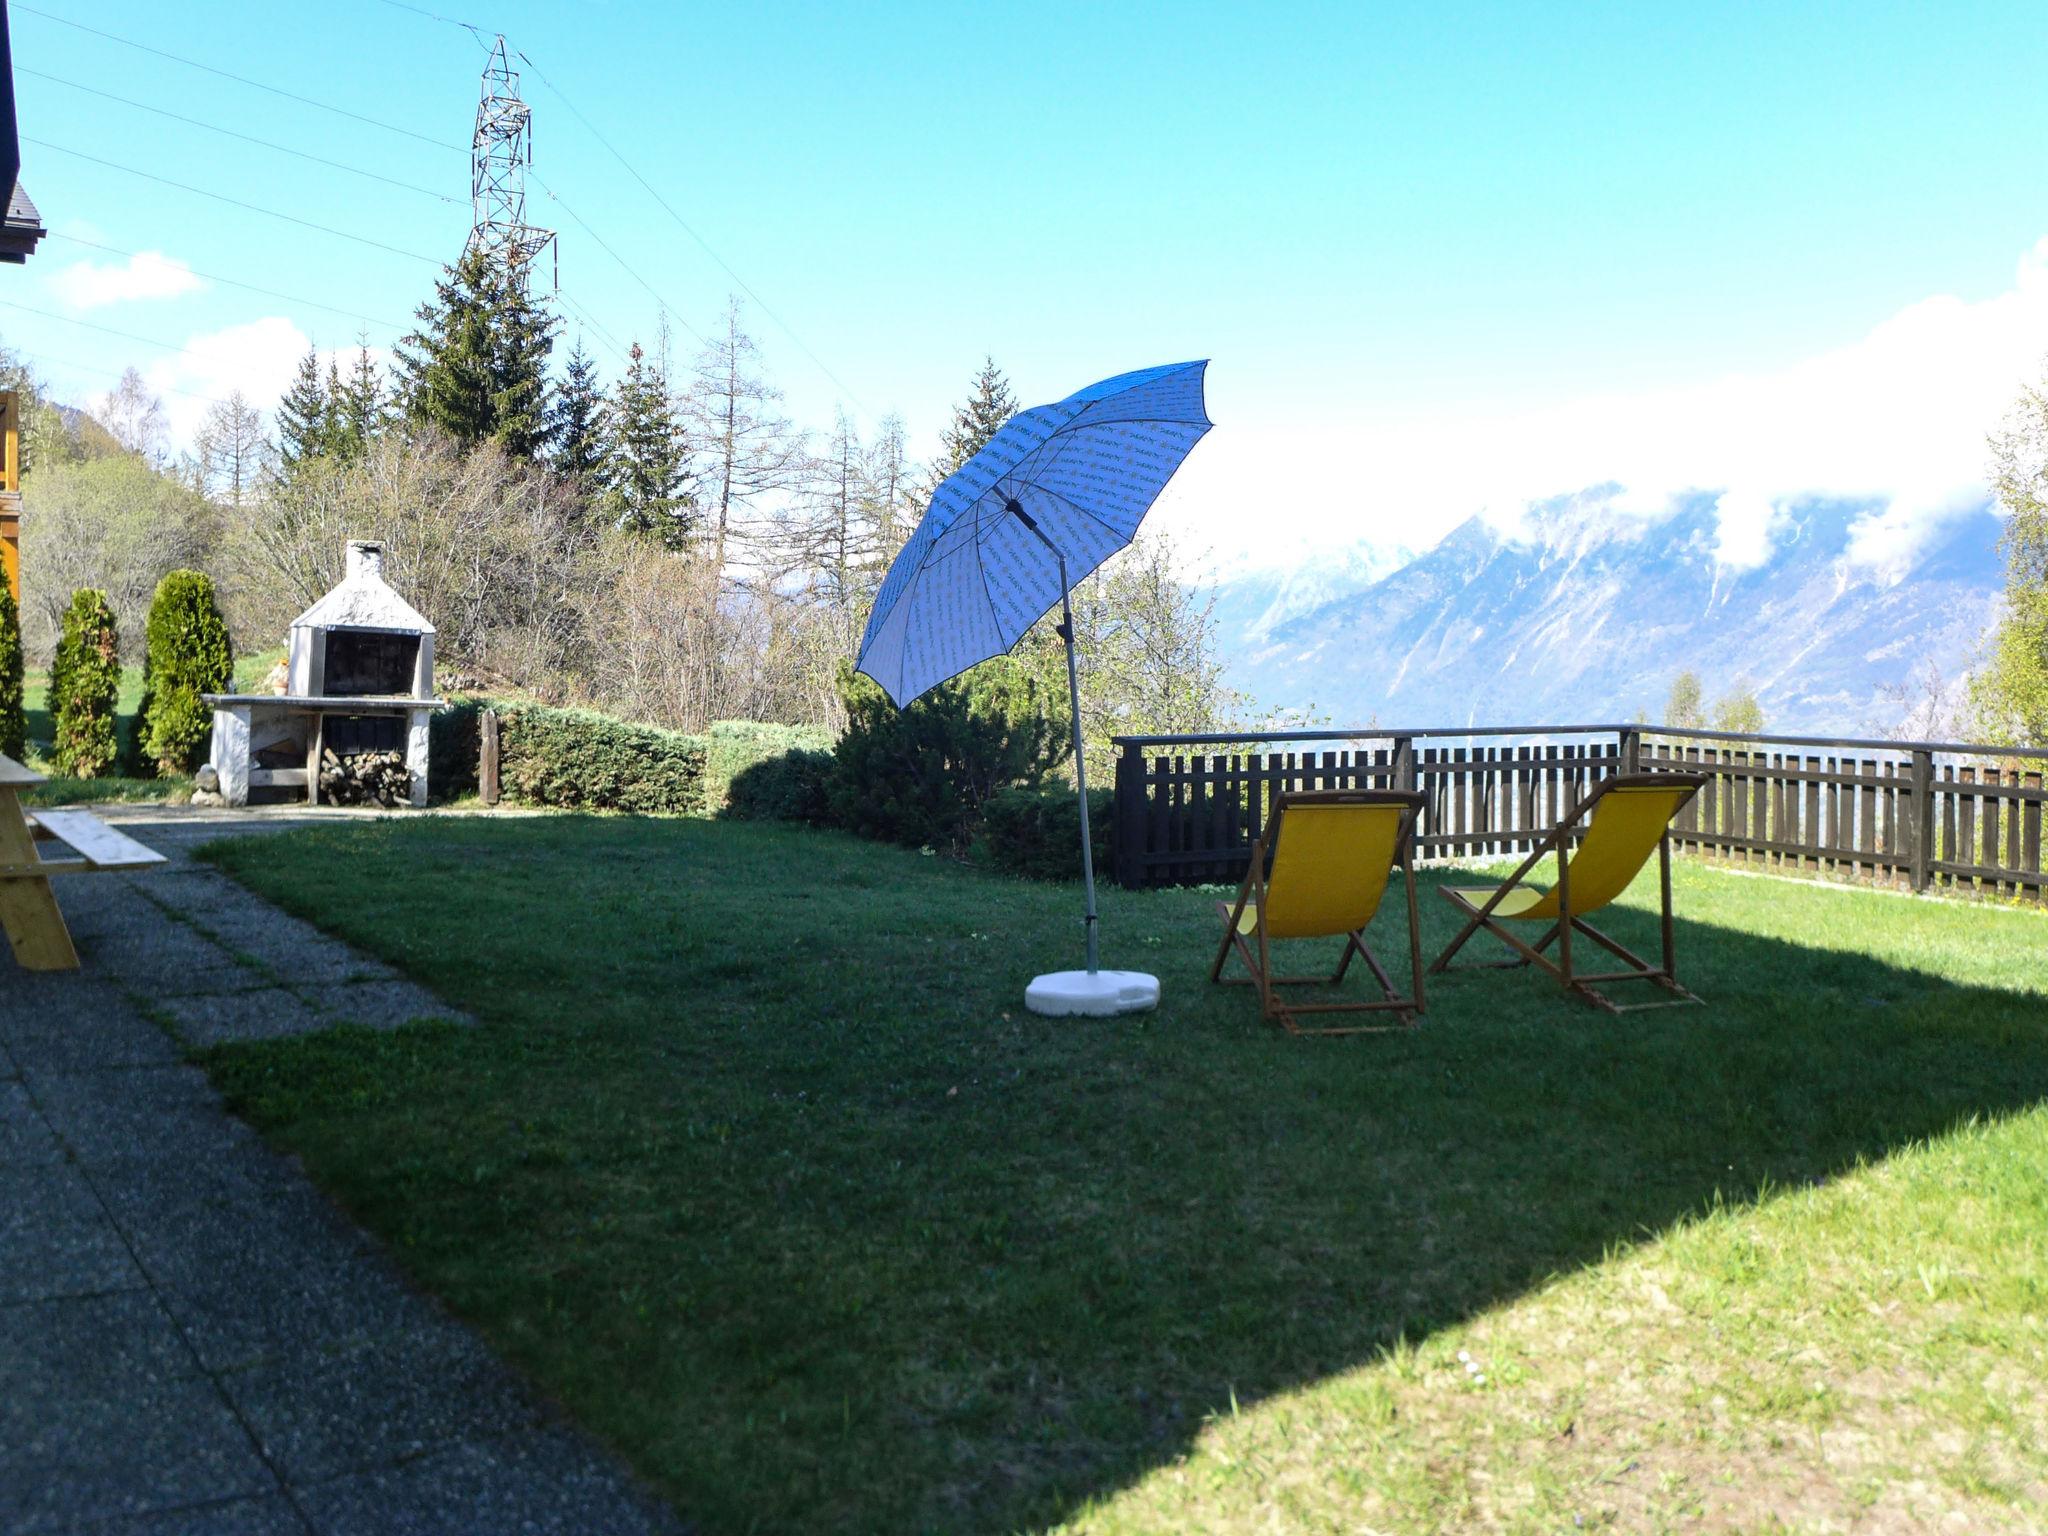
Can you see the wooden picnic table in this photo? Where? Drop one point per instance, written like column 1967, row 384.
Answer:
column 28, row 907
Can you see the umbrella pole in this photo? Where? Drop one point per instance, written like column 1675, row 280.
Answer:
column 1066, row 633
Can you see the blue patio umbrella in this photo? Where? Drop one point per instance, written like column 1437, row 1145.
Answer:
column 1055, row 493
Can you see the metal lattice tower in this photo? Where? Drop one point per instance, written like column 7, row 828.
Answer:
column 498, row 158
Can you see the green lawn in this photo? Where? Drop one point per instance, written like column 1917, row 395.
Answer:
column 758, row 1164
column 62, row 789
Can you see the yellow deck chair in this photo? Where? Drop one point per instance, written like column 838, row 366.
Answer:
column 1319, row 870
column 1616, row 828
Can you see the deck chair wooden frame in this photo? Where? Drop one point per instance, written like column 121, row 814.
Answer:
column 28, row 907
column 1556, row 906
column 1254, row 949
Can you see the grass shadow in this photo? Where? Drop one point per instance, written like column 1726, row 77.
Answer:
column 758, row 1163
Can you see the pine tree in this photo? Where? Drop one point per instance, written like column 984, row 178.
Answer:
column 357, row 405
column 646, row 457
column 979, row 419
column 579, row 448
column 476, row 366
column 304, row 415
column 13, row 699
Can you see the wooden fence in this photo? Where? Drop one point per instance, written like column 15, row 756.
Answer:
column 1921, row 815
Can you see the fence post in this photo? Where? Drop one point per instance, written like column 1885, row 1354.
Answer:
column 1630, row 745
column 1404, row 762
column 1129, row 809
column 1922, row 820
column 487, row 758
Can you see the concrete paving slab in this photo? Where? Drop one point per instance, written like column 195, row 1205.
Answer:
column 378, row 1406
column 192, row 1338
column 540, row 1484
column 49, row 1349
column 268, row 1013
column 96, row 1453
column 278, row 1312
column 24, row 1136
column 383, row 1005
column 90, row 1041
column 56, row 1239
column 167, row 1115
column 272, row 1515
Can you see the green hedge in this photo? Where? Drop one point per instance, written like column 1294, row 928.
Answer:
column 1036, row 831
column 573, row 758
column 792, row 786
column 734, row 746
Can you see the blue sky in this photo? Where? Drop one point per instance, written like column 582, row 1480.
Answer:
column 1420, row 241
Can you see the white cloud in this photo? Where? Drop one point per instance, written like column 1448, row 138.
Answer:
column 258, row 359
column 145, row 275
column 1899, row 415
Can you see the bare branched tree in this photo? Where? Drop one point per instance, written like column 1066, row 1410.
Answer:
column 235, row 458
column 750, row 453
column 135, row 415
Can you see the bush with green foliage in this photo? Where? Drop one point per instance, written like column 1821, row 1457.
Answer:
column 13, row 700
column 791, row 786
column 582, row 760
column 85, row 681
column 188, row 654
column 733, row 746
column 921, row 775
column 1035, row 831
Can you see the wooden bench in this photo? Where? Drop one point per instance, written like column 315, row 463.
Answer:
column 28, row 907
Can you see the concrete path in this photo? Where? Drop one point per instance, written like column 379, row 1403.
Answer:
column 192, row 1339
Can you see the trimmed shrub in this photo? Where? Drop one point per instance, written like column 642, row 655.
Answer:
column 731, row 747
column 921, row 775
column 188, row 654
column 581, row 760
column 13, row 696
column 1036, row 831
column 85, row 681
column 791, row 786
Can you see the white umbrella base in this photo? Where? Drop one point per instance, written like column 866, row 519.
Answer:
column 1066, row 993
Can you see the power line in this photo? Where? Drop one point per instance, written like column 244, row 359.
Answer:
column 684, row 225
column 666, row 307
column 584, row 315
column 110, row 373
column 470, row 27
column 324, row 106
column 235, row 202
column 215, row 277
column 108, row 330
column 781, row 324
column 246, row 138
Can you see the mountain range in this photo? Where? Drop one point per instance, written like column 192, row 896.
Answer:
column 1585, row 611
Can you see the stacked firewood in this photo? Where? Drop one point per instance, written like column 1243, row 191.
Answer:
column 364, row 778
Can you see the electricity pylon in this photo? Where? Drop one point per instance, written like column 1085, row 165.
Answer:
column 498, row 158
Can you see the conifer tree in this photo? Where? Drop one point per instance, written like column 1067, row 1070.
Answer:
column 646, row 459
column 85, row 679
column 188, row 654
column 13, row 699
column 579, row 447
column 304, row 415
column 979, row 419
column 357, row 405
column 476, row 366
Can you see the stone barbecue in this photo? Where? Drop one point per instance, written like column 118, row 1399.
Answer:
column 358, row 690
